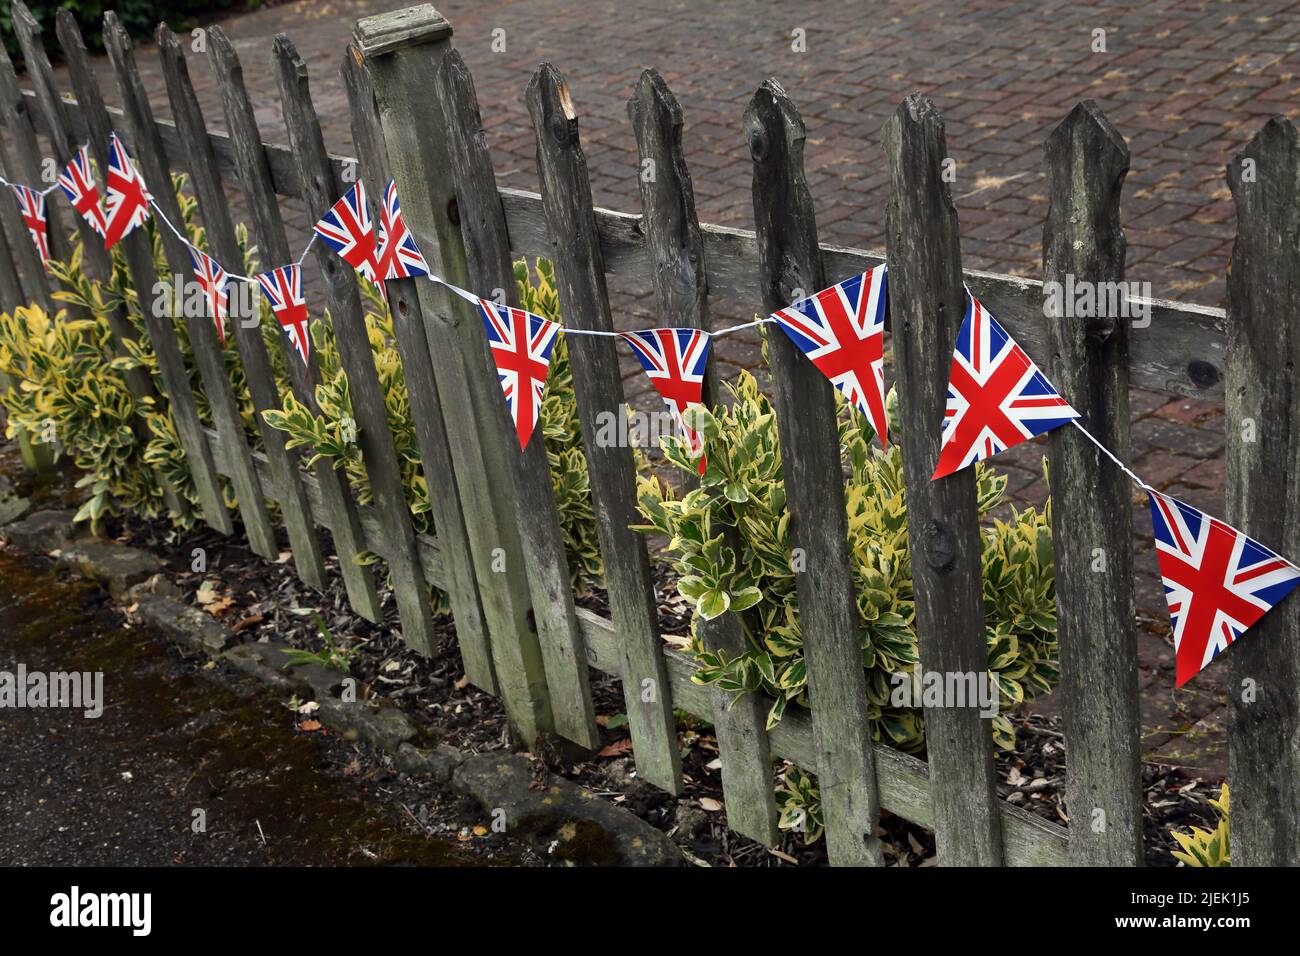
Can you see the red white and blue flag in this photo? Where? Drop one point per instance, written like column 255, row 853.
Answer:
column 78, row 184
column 212, row 279
column 399, row 256
column 1218, row 581
column 283, row 289
column 675, row 360
column 997, row 397
column 842, row 330
column 347, row 229
column 126, row 200
column 31, row 203
column 521, row 348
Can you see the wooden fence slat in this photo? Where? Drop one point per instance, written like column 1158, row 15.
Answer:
column 36, row 455
column 50, row 108
column 269, row 235
column 409, row 588
column 487, row 253
column 1263, row 493
column 927, row 302
column 139, row 255
column 1181, row 352
column 584, row 303
column 681, row 298
column 477, row 433
column 208, row 351
column 96, row 260
column 472, row 633
column 1092, row 514
column 790, row 267
column 223, row 244
column 21, row 167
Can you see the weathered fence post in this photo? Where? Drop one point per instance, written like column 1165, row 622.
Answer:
column 23, row 166
column 489, row 266
column 472, row 632
column 138, row 249
column 584, row 302
column 790, row 268
column 340, row 510
column 681, row 286
column 320, row 189
column 1263, row 493
column 1092, row 515
column 401, row 52
column 926, row 303
column 219, row 229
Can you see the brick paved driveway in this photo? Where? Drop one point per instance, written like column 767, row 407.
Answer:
column 1187, row 83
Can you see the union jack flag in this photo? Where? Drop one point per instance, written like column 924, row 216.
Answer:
column 674, row 359
column 347, row 229
column 212, row 279
column 1218, row 581
column 997, row 397
column 399, row 257
column 127, row 200
column 283, row 289
column 31, row 202
column 842, row 331
column 78, row 184
column 521, row 348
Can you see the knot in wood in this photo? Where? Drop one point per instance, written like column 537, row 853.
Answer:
column 1203, row 374
column 940, row 548
column 1099, row 329
column 453, row 211
column 758, row 145
column 563, row 130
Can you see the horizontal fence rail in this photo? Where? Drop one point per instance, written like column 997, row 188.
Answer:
column 415, row 117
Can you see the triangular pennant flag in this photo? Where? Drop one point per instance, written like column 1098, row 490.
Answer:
column 521, row 348
column 842, row 331
column 31, row 203
column 212, row 280
column 997, row 397
column 399, row 257
column 126, row 202
column 283, row 289
column 1218, row 581
column 346, row 228
column 675, row 360
column 78, row 184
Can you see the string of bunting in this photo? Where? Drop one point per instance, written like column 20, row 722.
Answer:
column 1218, row 581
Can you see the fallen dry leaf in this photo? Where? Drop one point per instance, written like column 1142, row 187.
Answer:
column 310, row 725
column 708, row 803
column 617, row 748
column 462, row 683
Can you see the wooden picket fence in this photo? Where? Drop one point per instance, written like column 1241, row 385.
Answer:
column 415, row 117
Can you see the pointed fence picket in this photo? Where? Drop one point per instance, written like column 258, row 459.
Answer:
column 522, row 635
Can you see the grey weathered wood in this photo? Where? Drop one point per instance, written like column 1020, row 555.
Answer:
column 95, row 258
column 137, row 124
column 478, row 432
column 1263, row 494
column 487, row 252
column 682, row 299
column 426, row 405
column 11, row 286
column 927, row 303
column 273, row 245
column 208, row 351
column 791, row 267
column 1087, row 161
column 23, row 166
column 1182, row 351
column 223, row 244
column 323, row 189
column 580, row 277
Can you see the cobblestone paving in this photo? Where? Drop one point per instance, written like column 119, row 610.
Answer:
column 1187, row 83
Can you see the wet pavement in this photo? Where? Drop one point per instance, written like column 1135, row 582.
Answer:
column 181, row 768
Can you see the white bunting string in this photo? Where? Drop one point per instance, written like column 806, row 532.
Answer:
column 44, row 192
